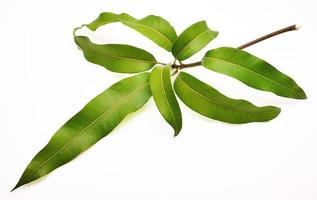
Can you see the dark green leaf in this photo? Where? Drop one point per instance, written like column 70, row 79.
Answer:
column 164, row 97
column 96, row 120
column 192, row 40
column 116, row 57
column 153, row 27
column 252, row 71
column 207, row 101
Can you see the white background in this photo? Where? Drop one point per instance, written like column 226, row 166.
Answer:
column 44, row 80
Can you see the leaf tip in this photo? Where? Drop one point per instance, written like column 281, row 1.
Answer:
column 301, row 94
column 19, row 184
column 176, row 132
column 304, row 96
column 276, row 112
column 15, row 187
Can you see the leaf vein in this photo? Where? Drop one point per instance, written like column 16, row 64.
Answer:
column 221, row 105
column 124, row 58
column 189, row 43
column 153, row 29
column 82, row 131
column 225, row 61
column 168, row 104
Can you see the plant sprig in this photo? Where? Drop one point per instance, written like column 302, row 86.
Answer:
column 103, row 113
column 260, row 39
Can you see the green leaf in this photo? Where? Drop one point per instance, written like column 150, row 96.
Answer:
column 153, row 27
column 207, row 101
column 164, row 97
column 192, row 40
column 252, row 71
column 116, row 57
column 96, row 120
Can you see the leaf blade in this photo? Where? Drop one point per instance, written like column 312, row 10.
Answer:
column 153, row 27
column 97, row 119
column 192, row 40
column 165, row 98
column 210, row 103
column 252, row 71
column 116, row 57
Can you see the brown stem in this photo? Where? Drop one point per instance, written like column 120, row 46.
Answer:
column 283, row 30
column 190, row 65
column 275, row 33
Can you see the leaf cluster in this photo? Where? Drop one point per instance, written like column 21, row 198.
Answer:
column 103, row 113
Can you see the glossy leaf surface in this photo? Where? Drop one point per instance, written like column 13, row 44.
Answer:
column 116, row 57
column 165, row 98
column 208, row 102
column 153, row 27
column 192, row 40
column 252, row 71
column 96, row 120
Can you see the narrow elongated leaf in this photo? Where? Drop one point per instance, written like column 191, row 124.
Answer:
column 96, row 120
column 153, row 27
column 116, row 57
column 252, row 71
column 192, row 40
column 207, row 101
column 164, row 97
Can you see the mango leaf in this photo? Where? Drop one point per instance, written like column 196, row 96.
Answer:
column 192, row 40
column 164, row 97
column 96, row 120
column 116, row 57
column 153, row 27
column 252, row 71
column 208, row 102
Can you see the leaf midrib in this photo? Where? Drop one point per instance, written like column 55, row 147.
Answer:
column 122, row 58
column 149, row 27
column 165, row 97
column 221, row 105
column 83, row 131
column 189, row 43
column 263, row 77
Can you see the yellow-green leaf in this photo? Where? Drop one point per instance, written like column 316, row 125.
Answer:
column 96, row 120
column 164, row 97
column 208, row 102
column 192, row 40
column 153, row 27
column 252, row 71
column 116, row 57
